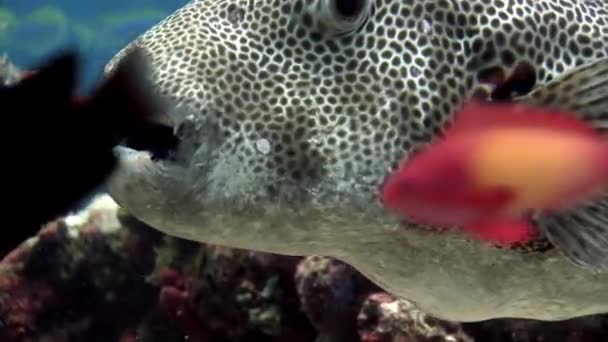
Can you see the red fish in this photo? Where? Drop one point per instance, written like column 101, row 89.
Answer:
column 496, row 165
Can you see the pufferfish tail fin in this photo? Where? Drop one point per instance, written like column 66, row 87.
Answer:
column 582, row 90
column 580, row 234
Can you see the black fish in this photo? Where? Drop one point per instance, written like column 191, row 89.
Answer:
column 58, row 148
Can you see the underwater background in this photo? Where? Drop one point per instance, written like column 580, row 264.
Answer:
column 31, row 29
column 102, row 275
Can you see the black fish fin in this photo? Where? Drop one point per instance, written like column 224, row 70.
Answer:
column 582, row 90
column 52, row 84
column 581, row 234
column 125, row 97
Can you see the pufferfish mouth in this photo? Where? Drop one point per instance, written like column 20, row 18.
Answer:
column 169, row 129
column 157, row 139
column 176, row 139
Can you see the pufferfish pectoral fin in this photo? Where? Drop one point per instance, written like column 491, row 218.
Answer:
column 582, row 90
column 580, row 234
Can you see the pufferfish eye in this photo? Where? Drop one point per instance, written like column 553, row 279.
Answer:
column 340, row 17
column 348, row 8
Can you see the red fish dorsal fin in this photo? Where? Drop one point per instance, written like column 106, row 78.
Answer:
column 476, row 116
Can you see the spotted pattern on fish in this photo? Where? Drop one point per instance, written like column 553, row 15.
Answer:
column 347, row 91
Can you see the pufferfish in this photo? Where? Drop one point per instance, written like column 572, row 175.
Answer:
column 290, row 113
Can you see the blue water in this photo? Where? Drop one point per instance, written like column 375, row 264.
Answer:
column 32, row 30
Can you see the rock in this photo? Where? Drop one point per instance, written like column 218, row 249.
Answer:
column 386, row 318
column 76, row 282
column 327, row 289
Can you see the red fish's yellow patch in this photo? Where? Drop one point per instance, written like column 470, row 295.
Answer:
column 536, row 165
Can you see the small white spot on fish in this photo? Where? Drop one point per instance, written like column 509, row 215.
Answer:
column 263, row 146
column 427, row 27
column 316, row 141
column 368, row 179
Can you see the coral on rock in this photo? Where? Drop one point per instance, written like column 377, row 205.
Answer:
column 76, row 283
column 384, row 317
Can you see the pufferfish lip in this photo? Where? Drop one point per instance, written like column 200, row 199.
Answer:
column 123, row 152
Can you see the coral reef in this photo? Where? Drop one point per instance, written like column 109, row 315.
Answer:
column 212, row 293
column 76, row 283
column 102, row 275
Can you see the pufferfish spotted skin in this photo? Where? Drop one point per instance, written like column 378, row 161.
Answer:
column 291, row 113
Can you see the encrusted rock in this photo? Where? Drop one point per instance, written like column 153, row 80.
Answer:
column 385, row 318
